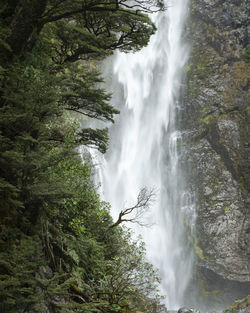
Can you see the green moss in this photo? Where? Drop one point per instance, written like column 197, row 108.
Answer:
column 239, row 305
column 204, row 110
column 199, row 252
column 197, row 69
column 208, row 120
column 192, row 239
column 246, row 55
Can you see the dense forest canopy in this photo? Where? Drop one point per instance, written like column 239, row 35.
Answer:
column 55, row 252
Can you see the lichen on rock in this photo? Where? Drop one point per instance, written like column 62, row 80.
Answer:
column 215, row 117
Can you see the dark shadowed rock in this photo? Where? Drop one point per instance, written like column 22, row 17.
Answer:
column 184, row 310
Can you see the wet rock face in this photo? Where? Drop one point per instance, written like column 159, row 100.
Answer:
column 187, row 310
column 222, row 224
column 215, row 121
column 240, row 306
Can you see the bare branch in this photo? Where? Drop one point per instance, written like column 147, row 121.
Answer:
column 144, row 201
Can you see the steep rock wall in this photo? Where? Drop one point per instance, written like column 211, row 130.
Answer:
column 215, row 126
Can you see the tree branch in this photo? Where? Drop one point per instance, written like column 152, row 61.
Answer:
column 144, row 201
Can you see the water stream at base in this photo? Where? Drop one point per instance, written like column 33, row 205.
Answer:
column 145, row 148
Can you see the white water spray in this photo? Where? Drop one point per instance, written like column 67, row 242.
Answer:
column 144, row 147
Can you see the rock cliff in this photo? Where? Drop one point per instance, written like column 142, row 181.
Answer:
column 214, row 121
column 240, row 306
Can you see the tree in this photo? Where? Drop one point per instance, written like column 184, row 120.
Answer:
column 130, row 282
column 41, row 77
column 66, row 32
column 80, row 93
column 25, row 21
column 53, row 251
column 137, row 211
column 98, row 34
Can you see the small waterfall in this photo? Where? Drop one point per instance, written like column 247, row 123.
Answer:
column 145, row 148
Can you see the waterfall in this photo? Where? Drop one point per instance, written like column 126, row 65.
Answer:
column 145, row 147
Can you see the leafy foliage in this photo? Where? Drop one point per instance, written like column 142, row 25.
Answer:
column 55, row 252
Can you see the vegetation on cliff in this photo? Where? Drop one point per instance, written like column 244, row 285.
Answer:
column 239, row 306
column 215, row 124
column 55, row 252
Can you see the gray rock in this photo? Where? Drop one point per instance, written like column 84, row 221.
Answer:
column 187, row 310
column 216, row 153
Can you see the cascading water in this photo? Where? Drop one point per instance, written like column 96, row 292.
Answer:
column 144, row 147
